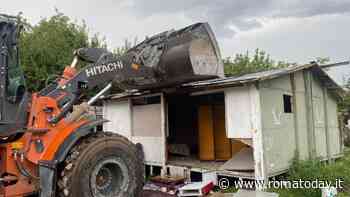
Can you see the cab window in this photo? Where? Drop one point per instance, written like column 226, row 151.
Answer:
column 15, row 81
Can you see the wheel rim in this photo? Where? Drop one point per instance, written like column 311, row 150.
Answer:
column 109, row 178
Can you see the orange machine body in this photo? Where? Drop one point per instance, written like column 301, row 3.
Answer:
column 25, row 150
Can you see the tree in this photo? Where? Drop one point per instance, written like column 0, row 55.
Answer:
column 120, row 51
column 322, row 60
column 46, row 48
column 244, row 63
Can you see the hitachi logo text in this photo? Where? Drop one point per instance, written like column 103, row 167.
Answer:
column 100, row 69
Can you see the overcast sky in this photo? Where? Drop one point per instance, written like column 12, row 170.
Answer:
column 289, row 30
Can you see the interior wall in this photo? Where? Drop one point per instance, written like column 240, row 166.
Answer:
column 182, row 121
column 199, row 122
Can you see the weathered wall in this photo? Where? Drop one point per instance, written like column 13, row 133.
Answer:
column 301, row 120
column 326, row 132
column 333, row 127
column 319, row 118
column 278, row 127
column 304, row 130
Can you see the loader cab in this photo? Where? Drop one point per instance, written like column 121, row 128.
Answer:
column 13, row 94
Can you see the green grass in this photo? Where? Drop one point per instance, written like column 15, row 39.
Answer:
column 312, row 170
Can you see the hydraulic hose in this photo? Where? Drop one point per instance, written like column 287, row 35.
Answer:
column 24, row 171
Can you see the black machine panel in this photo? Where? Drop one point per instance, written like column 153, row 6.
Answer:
column 13, row 96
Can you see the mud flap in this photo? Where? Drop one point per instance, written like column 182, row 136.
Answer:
column 47, row 172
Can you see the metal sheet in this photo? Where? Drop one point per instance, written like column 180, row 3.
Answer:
column 270, row 74
column 242, row 161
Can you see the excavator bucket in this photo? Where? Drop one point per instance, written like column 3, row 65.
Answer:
column 164, row 60
column 174, row 57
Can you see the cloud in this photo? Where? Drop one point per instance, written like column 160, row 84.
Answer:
column 229, row 16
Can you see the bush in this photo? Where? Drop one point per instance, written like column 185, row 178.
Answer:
column 317, row 170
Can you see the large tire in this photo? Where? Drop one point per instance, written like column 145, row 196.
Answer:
column 102, row 165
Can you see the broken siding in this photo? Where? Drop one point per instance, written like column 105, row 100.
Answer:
column 278, row 126
column 243, row 121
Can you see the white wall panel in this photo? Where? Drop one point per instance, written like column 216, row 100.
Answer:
column 147, row 120
column 152, row 147
column 119, row 115
column 242, row 117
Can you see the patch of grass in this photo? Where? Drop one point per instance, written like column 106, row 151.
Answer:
column 317, row 170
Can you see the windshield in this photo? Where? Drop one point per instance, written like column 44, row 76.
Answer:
column 15, row 86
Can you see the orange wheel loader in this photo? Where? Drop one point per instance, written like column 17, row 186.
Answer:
column 50, row 148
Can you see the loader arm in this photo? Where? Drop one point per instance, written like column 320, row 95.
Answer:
column 52, row 132
column 166, row 59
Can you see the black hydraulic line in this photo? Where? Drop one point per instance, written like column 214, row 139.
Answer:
column 24, row 171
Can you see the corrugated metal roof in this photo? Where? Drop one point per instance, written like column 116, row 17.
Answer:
column 249, row 78
column 259, row 76
column 327, row 81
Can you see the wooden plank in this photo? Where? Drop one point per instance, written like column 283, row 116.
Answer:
column 222, row 144
column 236, row 146
column 206, row 133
